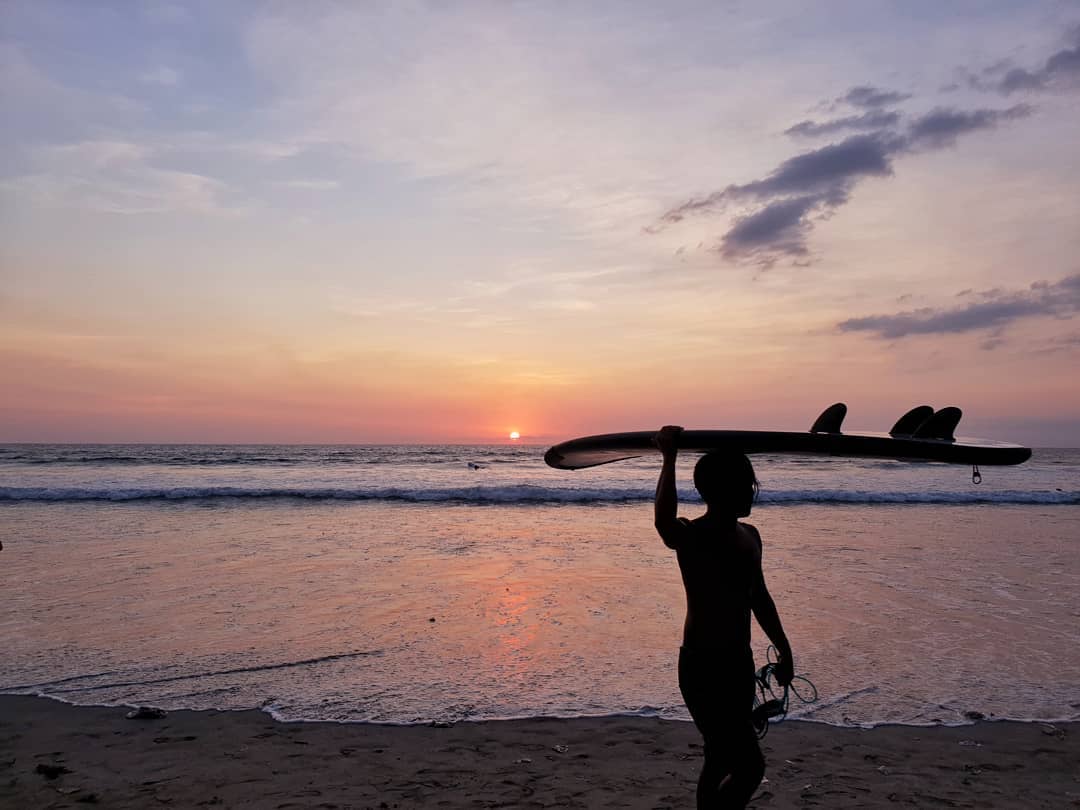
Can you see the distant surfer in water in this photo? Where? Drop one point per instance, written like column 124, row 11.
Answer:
column 720, row 561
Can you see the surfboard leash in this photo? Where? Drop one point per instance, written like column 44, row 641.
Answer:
column 768, row 704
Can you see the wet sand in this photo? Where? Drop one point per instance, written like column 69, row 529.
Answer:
column 56, row 755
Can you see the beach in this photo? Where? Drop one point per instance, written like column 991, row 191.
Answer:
column 56, row 755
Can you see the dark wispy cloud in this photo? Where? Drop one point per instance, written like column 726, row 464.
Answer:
column 869, row 97
column 939, row 127
column 779, row 227
column 1062, row 343
column 1061, row 71
column 812, row 185
column 824, row 175
column 942, row 126
column 992, row 309
column 825, row 169
column 771, row 219
column 874, row 119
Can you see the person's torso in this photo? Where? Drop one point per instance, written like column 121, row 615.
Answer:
column 719, row 567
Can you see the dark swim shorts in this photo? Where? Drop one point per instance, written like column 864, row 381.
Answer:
column 719, row 692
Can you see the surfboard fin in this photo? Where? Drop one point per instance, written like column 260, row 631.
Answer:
column 830, row 420
column 941, row 425
column 907, row 424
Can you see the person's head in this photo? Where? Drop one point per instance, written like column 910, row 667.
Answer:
column 726, row 482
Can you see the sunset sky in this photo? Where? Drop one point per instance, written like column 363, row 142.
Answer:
column 346, row 222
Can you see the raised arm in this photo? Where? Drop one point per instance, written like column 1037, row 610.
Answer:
column 668, row 525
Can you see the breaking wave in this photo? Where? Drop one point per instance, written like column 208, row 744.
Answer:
column 514, row 494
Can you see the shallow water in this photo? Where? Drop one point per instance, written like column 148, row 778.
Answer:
column 321, row 608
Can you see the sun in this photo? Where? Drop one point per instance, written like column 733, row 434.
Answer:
column 514, row 435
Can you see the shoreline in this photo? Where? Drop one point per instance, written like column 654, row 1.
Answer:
column 439, row 723
column 56, row 754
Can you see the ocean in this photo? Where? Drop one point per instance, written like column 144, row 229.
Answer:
column 412, row 584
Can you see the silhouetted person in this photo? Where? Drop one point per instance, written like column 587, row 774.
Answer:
column 720, row 561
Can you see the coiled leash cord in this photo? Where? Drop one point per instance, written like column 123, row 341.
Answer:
column 768, row 705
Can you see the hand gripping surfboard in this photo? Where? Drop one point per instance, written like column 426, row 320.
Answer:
column 921, row 434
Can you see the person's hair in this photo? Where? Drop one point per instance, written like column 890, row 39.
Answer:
column 724, row 476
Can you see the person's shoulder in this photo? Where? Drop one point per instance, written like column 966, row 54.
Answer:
column 689, row 532
column 752, row 530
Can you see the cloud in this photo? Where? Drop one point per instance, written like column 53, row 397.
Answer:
column 118, row 177
column 163, row 76
column 1061, row 71
column 470, row 99
column 994, row 309
column 826, row 173
column 136, row 190
column 869, row 97
column 310, row 185
column 941, row 127
column 165, row 13
column 1062, row 343
column 94, row 153
column 874, row 119
column 817, row 182
column 779, row 228
column 29, row 95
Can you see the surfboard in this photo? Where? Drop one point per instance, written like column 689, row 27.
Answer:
column 921, row 434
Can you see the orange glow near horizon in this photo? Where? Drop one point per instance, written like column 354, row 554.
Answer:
column 160, row 397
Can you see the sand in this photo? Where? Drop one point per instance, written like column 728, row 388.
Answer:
column 56, row 755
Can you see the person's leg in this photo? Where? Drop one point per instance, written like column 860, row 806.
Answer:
column 697, row 683
column 733, row 764
column 745, row 765
column 746, row 762
column 713, row 776
column 692, row 684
